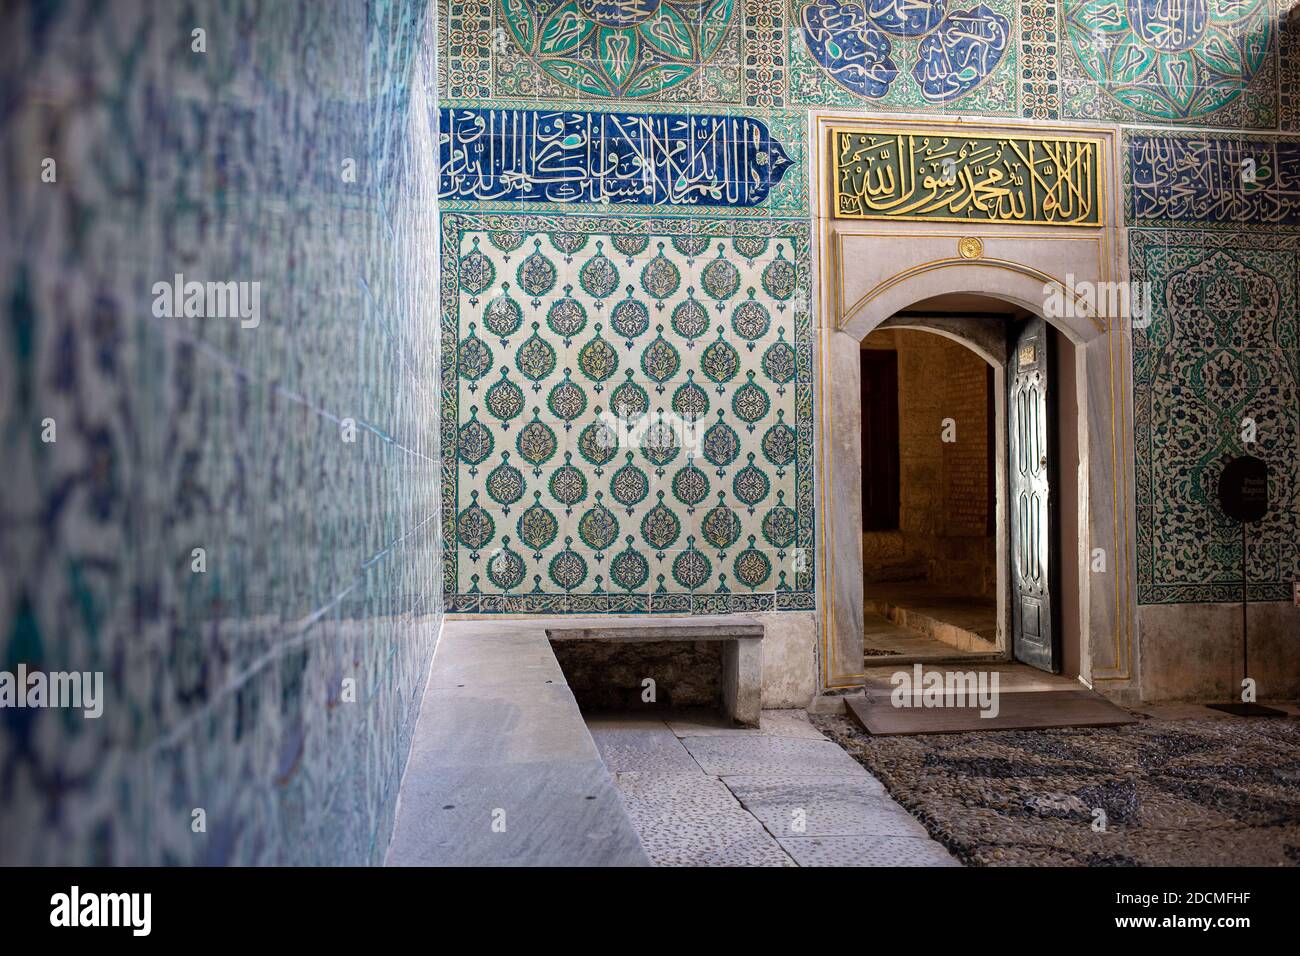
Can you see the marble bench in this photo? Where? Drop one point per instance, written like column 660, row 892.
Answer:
column 502, row 769
column 742, row 652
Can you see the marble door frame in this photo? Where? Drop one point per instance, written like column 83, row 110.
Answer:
column 867, row 272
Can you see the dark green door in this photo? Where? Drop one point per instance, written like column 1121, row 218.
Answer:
column 1035, row 639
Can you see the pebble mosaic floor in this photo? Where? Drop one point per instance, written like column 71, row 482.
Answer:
column 700, row 794
column 1197, row 791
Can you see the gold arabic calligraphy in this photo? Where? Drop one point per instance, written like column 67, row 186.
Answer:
column 953, row 178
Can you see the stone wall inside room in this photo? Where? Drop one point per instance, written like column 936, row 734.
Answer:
column 944, row 533
column 259, row 694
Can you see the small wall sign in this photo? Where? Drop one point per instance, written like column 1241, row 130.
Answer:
column 1243, row 489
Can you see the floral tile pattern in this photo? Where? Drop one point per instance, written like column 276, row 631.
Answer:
column 1187, row 61
column 1217, row 366
column 632, row 409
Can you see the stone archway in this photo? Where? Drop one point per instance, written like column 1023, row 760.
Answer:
column 871, row 271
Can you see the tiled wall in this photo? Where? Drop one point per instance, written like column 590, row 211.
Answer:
column 545, row 93
column 637, row 415
column 271, row 687
column 1219, row 363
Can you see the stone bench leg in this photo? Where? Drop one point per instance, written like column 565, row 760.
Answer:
column 742, row 680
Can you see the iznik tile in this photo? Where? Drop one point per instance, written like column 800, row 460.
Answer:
column 1215, row 377
column 628, row 437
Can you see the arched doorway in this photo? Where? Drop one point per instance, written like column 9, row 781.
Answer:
column 979, row 305
column 876, row 274
column 964, row 546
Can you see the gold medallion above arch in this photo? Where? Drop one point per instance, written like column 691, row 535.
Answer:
column 870, row 268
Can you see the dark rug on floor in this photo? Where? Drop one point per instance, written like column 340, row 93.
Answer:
column 1202, row 792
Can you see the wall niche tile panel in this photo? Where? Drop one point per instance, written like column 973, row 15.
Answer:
column 632, row 421
column 1215, row 367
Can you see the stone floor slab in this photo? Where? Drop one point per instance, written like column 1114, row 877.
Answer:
column 823, row 806
column 772, row 723
column 867, row 851
column 693, row 792
column 693, row 820
column 737, row 756
column 642, row 749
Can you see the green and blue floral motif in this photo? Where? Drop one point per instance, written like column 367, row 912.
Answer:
column 690, row 486
column 691, row 568
column 627, row 333
column 689, row 400
column 1222, row 347
column 505, row 484
column 1171, row 59
column 568, row 485
column 660, row 527
column 474, row 526
column 690, row 319
column 537, row 526
column 598, row 527
column 659, row 443
column 537, row 443
column 505, row 399
column 503, row 316
column 619, row 48
column 475, row 442
column 567, row 569
column 629, row 485
column 567, row 317
column 629, row 569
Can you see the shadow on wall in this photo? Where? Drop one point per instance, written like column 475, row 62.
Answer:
column 220, row 425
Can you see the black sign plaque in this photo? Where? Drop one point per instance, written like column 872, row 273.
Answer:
column 1243, row 489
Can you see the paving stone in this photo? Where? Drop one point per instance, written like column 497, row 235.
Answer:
column 823, row 806
column 694, row 792
column 772, row 723
column 693, row 820
column 736, row 756
column 867, row 851
column 642, row 749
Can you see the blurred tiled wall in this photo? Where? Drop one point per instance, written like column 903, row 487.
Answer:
column 270, row 680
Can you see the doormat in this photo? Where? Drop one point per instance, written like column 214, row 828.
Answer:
column 1017, row 710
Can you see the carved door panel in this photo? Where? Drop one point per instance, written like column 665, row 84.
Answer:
column 1035, row 637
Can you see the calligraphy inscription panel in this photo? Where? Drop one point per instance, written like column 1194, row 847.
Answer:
column 1213, row 180
column 936, row 176
column 572, row 156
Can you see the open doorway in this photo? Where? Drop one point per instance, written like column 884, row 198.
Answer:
column 970, row 458
column 929, row 498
